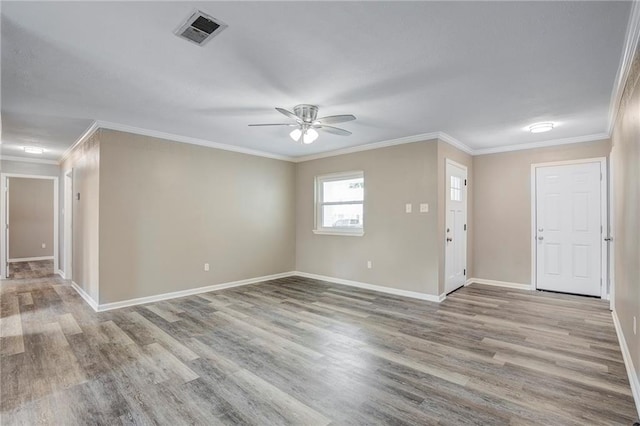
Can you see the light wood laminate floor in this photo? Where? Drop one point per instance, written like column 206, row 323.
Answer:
column 31, row 269
column 300, row 351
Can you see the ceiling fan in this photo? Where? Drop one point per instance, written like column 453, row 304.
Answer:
column 306, row 123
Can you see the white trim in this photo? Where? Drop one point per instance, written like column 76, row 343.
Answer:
column 447, row 198
column 83, row 137
column 67, row 225
column 187, row 139
column 495, row 283
column 28, row 160
column 626, row 60
column 382, row 144
column 3, row 219
column 60, row 273
column 85, row 296
column 378, row 288
column 542, row 144
column 342, row 233
column 318, row 200
column 628, row 362
column 604, row 210
column 189, row 292
column 423, row 137
column 445, row 137
column 29, row 259
column 611, row 234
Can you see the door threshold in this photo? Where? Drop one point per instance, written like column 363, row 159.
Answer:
column 570, row 294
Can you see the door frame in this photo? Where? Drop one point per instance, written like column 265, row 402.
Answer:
column 604, row 209
column 4, row 178
column 448, row 161
column 68, row 224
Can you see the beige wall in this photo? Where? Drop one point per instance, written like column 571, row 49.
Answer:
column 166, row 208
column 403, row 247
column 31, row 214
column 85, row 161
column 447, row 151
column 502, row 208
column 26, row 168
column 625, row 160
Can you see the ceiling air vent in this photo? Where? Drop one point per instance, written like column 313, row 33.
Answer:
column 200, row 28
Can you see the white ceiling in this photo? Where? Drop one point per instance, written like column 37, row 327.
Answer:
column 479, row 71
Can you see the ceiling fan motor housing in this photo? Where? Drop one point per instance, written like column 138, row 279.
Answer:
column 308, row 113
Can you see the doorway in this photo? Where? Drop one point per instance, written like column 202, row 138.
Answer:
column 455, row 226
column 68, row 225
column 9, row 225
column 569, row 218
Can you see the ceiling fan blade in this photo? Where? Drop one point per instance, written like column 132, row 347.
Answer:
column 334, row 130
column 334, row 119
column 289, row 114
column 275, row 124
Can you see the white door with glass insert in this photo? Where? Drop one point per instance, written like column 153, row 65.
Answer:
column 455, row 226
column 568, row 233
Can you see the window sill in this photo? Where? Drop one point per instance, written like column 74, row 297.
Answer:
column 340, row 233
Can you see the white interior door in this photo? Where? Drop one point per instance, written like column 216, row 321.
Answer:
column 568, row 228
column 455, row 226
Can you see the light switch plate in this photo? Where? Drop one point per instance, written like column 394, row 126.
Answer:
column 408, row 207
column 424, row 208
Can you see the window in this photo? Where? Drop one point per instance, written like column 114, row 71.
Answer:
column 456, row 188
column 340, row 204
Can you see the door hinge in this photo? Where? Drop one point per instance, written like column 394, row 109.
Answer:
column 464, row 272
column 465, row 226
column 465, row 182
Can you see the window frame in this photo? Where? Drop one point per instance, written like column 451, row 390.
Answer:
column 319, row 204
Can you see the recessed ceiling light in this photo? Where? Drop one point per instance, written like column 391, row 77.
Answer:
column 540, row 127
column 33, row 150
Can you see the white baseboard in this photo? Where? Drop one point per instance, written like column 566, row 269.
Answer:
column 381, row 289
column 29, row 259
column 628, row 362
column 61, row 273
column 183, row 293
column 85, row 296
column 189, row 292
column 498, row 283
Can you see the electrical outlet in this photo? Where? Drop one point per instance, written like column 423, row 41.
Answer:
column 369, row 264
column 206, row 267
column 44, row 245
column 424, row 208
column 634, row 326
column 407, row 207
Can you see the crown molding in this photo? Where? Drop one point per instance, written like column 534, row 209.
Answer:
column 28, row 160
column 442, row 136
column 542, row 144
column 187, row 139
column 367, row 147
column 628, row 52
column 456, row 143
column 83, row 137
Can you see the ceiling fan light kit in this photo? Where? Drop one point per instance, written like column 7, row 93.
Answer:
column 307, row 124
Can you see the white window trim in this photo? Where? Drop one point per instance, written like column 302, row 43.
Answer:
column 318, row 229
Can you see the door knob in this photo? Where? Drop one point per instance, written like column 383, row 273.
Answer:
column 541, row 238
column 449, row 240
column 608, row 239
